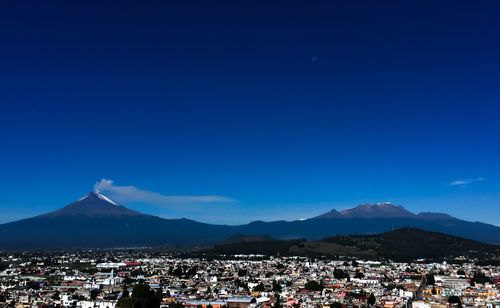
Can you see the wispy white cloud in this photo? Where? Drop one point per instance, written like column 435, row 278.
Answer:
column 134, row 194
column 465, row 182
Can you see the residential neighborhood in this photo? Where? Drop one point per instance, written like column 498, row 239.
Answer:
column 114, row 278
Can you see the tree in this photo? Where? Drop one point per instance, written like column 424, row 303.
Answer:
column 340, row 274
column 277, row 302
column 480, row 277
column 455, row 300
column 125, row 292
column 359, row 275
column 276, row 286
column 371, row 299
column 429, row 278
column 126, row 302
column 313, row 285
column 93, row 294
column 78, row 297
column 127, row 280
column 142, row 297
column 176, row 272
column 34, row 285
column 259, row 288
column 3, row 266
column 336, row 305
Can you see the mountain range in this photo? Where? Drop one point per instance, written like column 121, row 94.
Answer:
column 96, row 221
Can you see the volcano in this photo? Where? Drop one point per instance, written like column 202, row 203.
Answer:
column 370, row 210
column 97, row 221
column 94, row 204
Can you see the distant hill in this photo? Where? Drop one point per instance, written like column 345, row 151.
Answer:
column 407, row 243
column 241, row 238
column 435, row 216
column 96, row 221
column 402, row 244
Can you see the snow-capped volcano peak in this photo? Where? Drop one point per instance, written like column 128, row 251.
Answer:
column 377, row 210
column 104, row 197
column 99, row 195
column 370, row 210
column 94, row 204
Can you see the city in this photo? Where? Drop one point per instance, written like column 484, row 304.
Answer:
column 111, row 279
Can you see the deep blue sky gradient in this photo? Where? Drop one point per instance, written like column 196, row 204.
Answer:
column 290, row 107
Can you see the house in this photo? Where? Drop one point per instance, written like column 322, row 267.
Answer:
column 241, row 301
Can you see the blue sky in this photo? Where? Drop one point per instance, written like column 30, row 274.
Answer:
column 235, row 111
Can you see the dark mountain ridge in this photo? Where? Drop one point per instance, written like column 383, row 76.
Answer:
column 242, row 238
column 408, row 243
column 400, row 244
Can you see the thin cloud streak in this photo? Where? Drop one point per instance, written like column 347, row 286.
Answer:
column 465, row 182
column 135, row 194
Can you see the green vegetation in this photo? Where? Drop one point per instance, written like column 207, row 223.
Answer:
column 429, row 279
column 259, row 288
column 142, row 297
column 371, row 299
column 399, row 245
column 412, row 243
column 277, row 303
column 340, row 274
column 480, row 277
column 276, row 286
column 313, row 285
column 455, row 301
column 3, row 266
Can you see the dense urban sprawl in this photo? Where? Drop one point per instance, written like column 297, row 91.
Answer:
column 153, row 279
